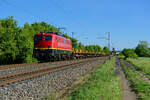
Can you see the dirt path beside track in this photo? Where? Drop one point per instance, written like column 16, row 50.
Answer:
column 127, row 92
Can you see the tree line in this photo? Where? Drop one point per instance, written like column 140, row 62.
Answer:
column 17, row 43
column 141, row 50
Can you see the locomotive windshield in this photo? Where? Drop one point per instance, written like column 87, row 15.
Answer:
column 38, row 38
column 48, row 38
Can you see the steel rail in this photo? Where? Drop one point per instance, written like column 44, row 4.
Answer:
column 16, row 65
column 2, row 67
column 13, row 78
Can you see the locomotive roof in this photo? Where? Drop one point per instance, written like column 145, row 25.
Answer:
column 48, row 33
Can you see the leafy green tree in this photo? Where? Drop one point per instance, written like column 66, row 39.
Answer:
column 25, row 44
column 142, row 49
column 89, row 48
column 8, row 31
column 94, row 48
column 17, row 43
column 74, row 43
column 81, row 46
column 97, row 48
column 129, row 53
column 106, row 50
column 43, row 27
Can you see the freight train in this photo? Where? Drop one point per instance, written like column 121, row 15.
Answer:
column 55, row 46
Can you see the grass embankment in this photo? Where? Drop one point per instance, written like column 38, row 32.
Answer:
column 138, row 84
column 142, row 65
column 102, row 85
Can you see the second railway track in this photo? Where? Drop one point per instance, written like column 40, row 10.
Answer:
column 21, row 76
column 24, row 68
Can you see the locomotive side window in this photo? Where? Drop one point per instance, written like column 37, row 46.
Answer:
column 38, row 38
column 48, row 38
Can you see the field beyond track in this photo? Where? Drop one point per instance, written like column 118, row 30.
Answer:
column 141, row 64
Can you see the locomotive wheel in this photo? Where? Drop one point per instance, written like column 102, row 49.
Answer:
column 59, row 57
column 52, row 59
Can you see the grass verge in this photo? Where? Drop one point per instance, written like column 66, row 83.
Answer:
column 102, row 85
column 62, row 94
column 142, row 65
column 138, row 84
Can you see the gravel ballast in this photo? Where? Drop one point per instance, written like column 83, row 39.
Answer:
column 41, row 87
column 32, row 67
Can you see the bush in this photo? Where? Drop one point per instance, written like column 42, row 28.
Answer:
column 30, row 59
column 129, row 53
column 106, row 50
column 121, row 56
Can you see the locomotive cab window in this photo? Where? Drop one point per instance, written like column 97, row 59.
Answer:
column 48, row 38
column 38, row 38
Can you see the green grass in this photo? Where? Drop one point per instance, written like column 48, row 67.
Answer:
column 142, row 65
column 144, row 58
column 102, row 85
column 138, row 84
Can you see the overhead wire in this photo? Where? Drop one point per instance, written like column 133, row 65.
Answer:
column 61, row 8
column 4, row 2
column 66, row 13
column 23, row 10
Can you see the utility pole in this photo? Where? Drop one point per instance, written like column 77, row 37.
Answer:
column 109, row 43
column 72, row 34
column 72, row 39
column 108, row 40
column 59, row 28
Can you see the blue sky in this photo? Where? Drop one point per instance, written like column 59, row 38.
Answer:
column 128, row 21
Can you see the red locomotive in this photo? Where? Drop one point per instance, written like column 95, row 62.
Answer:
column 52, row 46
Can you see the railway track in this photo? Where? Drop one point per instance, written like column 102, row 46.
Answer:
column 127, row 64
column 21, row 76
column 2, row 67
column 26, row 67
column 16, row 65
